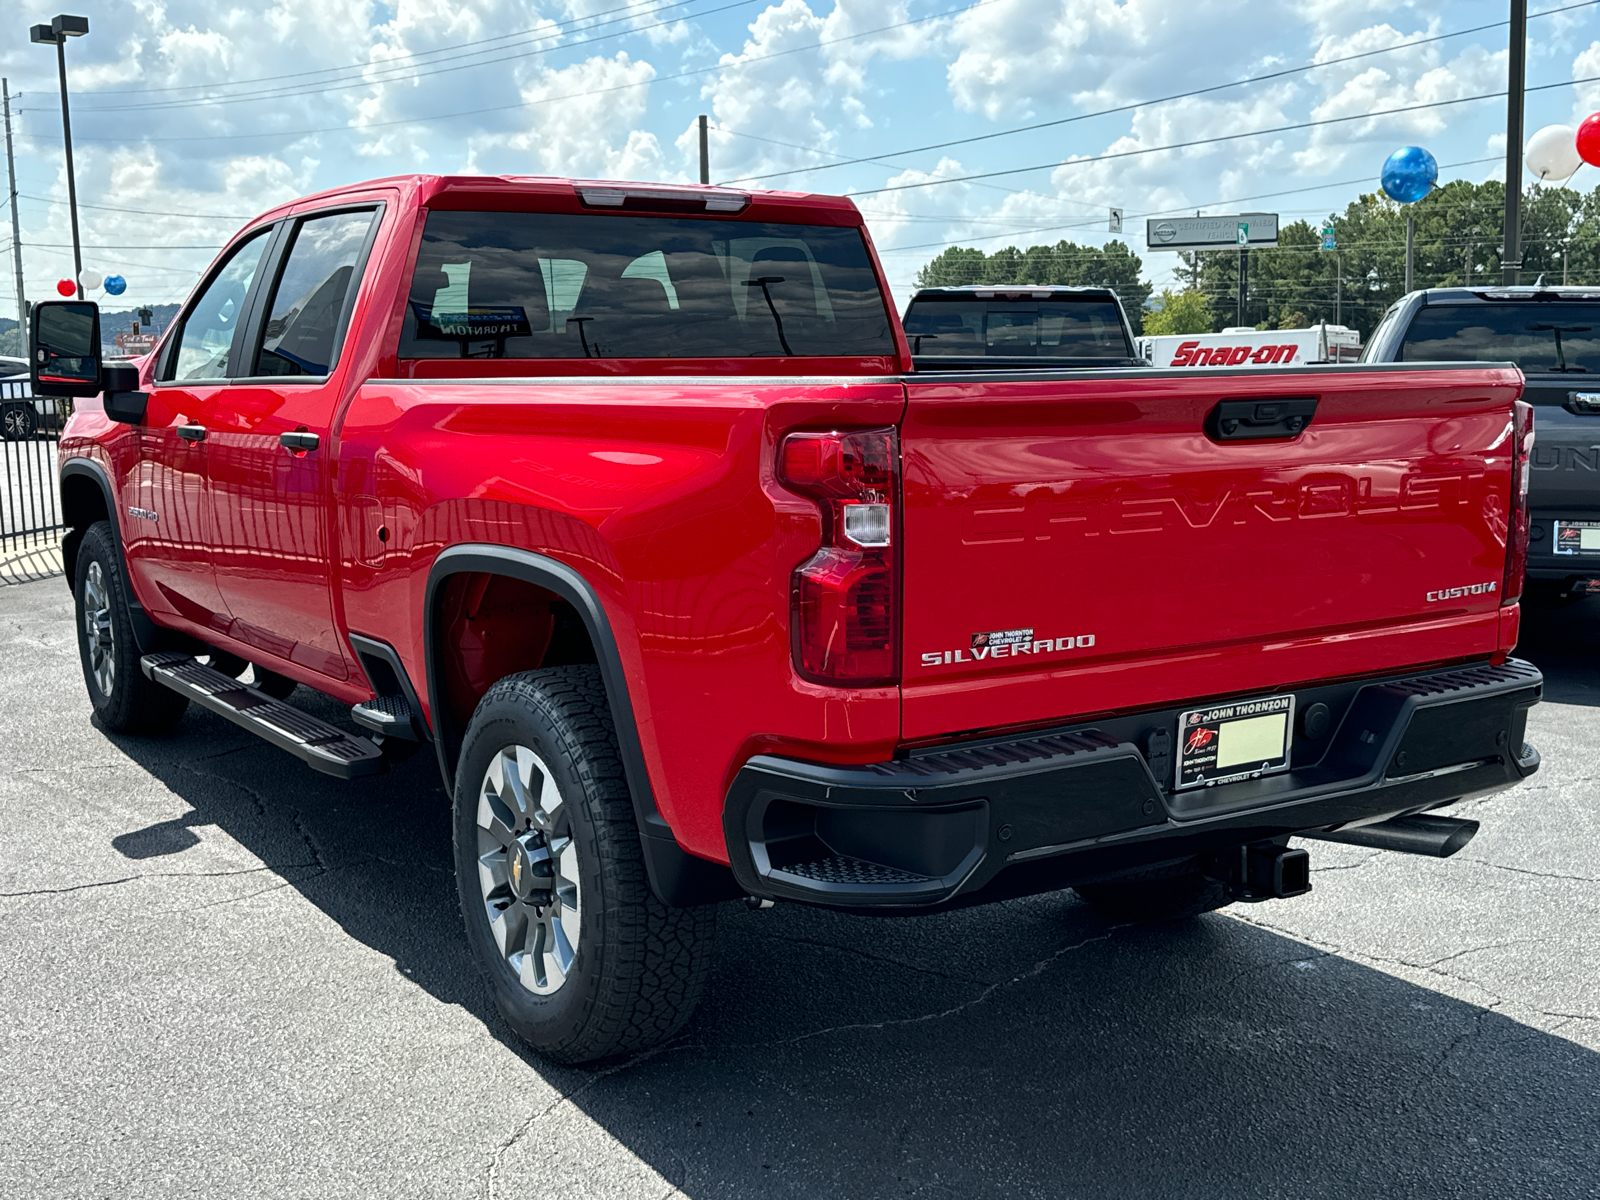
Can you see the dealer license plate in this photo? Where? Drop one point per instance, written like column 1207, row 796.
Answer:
column 1230, row 742
column 1578, row 537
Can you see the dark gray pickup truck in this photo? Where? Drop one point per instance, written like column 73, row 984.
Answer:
column 1553, row 334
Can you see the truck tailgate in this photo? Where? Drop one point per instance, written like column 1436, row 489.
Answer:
column 1079, row 544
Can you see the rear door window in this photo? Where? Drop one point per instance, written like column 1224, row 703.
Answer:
column 533, row 285
column 308, row 304
column 1069, row 329
column 1554, row 336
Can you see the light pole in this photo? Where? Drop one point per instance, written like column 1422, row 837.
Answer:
column 56, row 34
column 1511, row 257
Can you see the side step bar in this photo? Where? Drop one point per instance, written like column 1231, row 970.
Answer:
column 319, row 745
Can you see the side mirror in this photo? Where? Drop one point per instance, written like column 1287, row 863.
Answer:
column 123, row 400
column 64, row 348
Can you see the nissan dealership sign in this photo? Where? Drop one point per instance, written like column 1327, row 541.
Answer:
column 1211, row 233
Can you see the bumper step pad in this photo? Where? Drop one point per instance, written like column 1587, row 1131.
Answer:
column 319, row 745
column 386, row 715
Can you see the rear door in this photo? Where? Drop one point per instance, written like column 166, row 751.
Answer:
column 1081, row 544
column 271, row 453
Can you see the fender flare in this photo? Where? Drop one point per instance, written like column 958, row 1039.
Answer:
column 677, row 877
column 144, row 629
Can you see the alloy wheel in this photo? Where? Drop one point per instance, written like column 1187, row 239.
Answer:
column 528, row 869
column 99, row 630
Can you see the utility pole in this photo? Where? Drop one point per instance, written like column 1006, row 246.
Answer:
column 1411, row 233
column 705, row 152
column 55, row 34
column 16, row 225
column 1516, row 83
column 1244, row 276
column 1338, row 285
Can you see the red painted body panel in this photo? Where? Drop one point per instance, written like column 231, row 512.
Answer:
column 1098, row 508
column 1076, row 507
column 661, row 495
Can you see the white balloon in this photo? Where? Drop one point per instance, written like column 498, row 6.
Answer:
column 91, row 279
column 1552, row 153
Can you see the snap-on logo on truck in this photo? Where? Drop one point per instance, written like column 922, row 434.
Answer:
column 1193, row 354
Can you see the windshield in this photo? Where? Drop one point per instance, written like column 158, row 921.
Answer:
column 539, row 285
column 1536, row 335
column 1087, row 328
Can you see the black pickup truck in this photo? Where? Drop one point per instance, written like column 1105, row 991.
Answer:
column 1008, row 326
column 1553, row 334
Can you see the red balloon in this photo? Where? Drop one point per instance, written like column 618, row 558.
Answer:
column 1589, row 140
column 67, row 288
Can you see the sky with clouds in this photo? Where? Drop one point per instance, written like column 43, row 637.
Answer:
column 189, row 116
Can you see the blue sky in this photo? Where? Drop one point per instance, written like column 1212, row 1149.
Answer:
column 200, row 114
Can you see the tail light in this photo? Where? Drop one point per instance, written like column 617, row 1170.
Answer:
column 1517, row 525
column 843, row 603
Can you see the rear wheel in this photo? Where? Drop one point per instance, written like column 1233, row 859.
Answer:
column 123, row 699
column 583, row 961
column 1167, row 898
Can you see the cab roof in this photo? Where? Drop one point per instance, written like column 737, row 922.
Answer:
column 555, row 194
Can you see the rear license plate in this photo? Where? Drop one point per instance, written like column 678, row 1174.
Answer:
column 1229, row 742
column 1578, row 537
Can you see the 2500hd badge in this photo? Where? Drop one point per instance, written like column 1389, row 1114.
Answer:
column 1007, row 643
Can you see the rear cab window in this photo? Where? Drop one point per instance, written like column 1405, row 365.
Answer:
column 1540, row 336
column 508, row 285
column 1054, row 327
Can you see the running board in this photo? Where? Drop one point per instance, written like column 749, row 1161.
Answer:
column 321, row 746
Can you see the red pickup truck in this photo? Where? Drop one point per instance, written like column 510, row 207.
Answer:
column 627, row 501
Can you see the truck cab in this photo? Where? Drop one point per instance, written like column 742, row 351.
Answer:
column 1553, row 335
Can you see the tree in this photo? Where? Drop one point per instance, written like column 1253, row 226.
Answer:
column 1456, row 244
column 1187, row 312
column 1066, row 263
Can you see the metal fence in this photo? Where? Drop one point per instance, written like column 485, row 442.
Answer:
column 30, row 503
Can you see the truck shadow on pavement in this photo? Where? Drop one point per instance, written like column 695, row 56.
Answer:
column 1022, row 1049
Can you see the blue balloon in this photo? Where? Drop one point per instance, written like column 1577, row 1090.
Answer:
column 116, row 284
column 1409, row 174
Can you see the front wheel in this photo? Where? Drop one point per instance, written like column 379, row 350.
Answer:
column 123, row 699
column 18, row 422
column 583, row 961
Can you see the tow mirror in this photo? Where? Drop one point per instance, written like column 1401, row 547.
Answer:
column 64, row 358
column 64, row 348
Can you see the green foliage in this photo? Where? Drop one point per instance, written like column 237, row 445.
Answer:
column 1295, row 284
column 1186, row 312
column 1112, row 265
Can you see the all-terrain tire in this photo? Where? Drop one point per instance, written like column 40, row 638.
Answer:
column 638, row 967
column 1160, row 897
column 123, row 699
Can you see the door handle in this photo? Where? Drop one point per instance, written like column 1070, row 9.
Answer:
column 1268, row 417
column 299, row 439
column 192, row 433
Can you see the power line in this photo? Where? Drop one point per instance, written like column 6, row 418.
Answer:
column 503, row 37
column 1167, row 211
column 621, row 87
column 1122, row 108
column 380, row 74
column 143, row 212
column 1211, row 141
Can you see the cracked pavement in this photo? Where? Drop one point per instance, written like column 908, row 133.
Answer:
column 222, row 974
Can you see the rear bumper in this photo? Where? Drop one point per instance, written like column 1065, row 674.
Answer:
column 996, row 818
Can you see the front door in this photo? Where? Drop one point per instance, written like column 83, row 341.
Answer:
column 167, row 519
column 271, row 455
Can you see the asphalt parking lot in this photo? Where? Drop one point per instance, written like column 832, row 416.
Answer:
column 224, row 975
